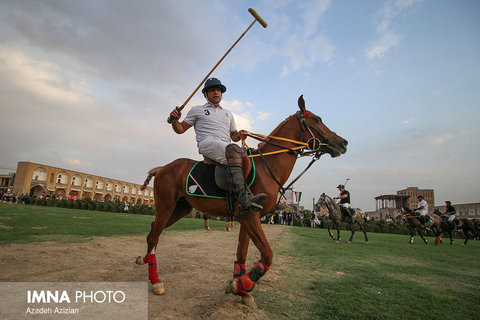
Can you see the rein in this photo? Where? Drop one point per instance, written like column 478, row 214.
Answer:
column 299, row 149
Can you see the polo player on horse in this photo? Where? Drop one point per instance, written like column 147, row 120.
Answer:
column 215, row 129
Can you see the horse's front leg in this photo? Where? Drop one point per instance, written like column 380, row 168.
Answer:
column 420, row 232
column 330, row 230
column 246, row 281
column 239, row 267
column 339, row 223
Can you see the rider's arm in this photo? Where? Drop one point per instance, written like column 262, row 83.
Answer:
column 180, row 127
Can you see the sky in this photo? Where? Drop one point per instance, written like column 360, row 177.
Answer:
column 88, row 86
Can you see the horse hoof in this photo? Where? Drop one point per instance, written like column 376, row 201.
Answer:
column 249, row 301
column 158, row 288
column 140, row 260
column 349, row 241
column 232, row 287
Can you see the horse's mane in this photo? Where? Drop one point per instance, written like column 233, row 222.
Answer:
column 274, row 132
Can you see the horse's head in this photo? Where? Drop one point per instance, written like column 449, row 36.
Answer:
column 318, row 136
column 321, row 202
column 324, row 201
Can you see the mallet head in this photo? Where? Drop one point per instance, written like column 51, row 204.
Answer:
column 257, row 17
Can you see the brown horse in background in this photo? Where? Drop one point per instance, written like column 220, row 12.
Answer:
column 434, row 224
column 445, row 227
column 172, row 203
column 469, row 227
column 334, row 214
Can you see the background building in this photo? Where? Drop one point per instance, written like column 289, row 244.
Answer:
column 414, row 192
column 39, row 179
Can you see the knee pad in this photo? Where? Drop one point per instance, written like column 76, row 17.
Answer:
column 233, row 153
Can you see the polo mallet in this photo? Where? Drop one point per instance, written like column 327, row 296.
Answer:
column 257, row 18
column 348, row 179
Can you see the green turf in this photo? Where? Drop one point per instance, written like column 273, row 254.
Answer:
column 25, row 223
column 384, row 279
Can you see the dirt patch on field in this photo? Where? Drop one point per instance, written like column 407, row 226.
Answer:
column 194, row 266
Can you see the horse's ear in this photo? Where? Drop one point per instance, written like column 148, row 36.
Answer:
column 301, row 104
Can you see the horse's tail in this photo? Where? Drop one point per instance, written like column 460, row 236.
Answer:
column 151, row 173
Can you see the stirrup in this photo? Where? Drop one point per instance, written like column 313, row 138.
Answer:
column 250, row 203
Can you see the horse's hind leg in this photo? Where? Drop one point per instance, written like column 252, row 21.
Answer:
column 465, row 232
column 352, row 229
column 364, row 229
column 168, row 211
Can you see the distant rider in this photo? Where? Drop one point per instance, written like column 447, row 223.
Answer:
column 345, row 200
column 451, row 214
column 422, row 210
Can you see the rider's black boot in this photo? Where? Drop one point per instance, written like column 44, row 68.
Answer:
column 247, row 202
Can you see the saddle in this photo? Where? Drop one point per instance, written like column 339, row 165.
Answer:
column 348, row 213
column 208, row 178
column 424, row 219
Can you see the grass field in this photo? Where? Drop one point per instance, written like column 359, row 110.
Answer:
column 384, row 279
column 22, row 223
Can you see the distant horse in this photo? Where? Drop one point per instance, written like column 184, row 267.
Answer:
column 335, row 215
column 300, row 134
column 444, row 227
column 469, row 227
column 434, row 224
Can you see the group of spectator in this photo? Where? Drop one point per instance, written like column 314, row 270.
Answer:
column 14, row 198
column 293, row 219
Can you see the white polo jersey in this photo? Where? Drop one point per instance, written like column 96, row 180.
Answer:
column 425, row 207
column 211, row 122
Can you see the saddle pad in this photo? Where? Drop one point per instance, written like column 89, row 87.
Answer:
column 201, row 181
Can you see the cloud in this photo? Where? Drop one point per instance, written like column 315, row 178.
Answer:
column 306, row 52
column 441, row 139
column 262, row 115
column 408, row 121
column 41, row 77
column 306, row 45
column 387, row 37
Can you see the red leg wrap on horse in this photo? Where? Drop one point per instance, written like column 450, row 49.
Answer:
column 247, row 281
column 238, row 270
column 152, row 268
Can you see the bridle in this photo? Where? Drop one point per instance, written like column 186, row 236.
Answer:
column 309, row 148
column 312, row 146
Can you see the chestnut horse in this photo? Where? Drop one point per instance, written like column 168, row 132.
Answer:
column 434, row 224
column 299, row 134
column 336, row 217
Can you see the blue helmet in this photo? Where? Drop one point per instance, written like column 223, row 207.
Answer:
column 341, row 186
column 213, row 82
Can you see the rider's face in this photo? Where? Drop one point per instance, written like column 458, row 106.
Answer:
column 214, row 95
